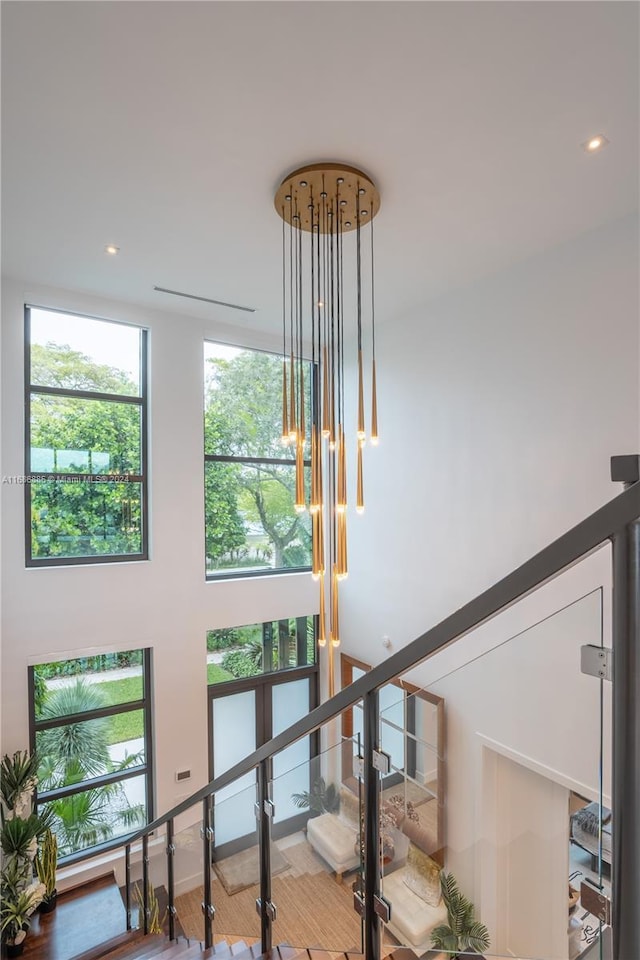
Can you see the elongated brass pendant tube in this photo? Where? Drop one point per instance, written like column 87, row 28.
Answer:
column 314, row 502
column 360, row 483
column 341, row 548
column 335, row 631
column 322, row 624
column 335, row 626
column 361, row 430
column 300, row 504
column 315, row 547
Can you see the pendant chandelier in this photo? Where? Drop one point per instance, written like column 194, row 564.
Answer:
column 323, row 305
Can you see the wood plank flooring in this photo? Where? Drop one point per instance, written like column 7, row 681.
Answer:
column 84, row 918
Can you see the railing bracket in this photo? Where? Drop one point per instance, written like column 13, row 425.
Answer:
column 208, row 909
column 595, row 902
column 381, row 761
column 596, row 662
column 270, row 907
column 382, row 908
column 358, row 768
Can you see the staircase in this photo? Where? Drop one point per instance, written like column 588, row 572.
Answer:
column 137, row 946
column 89, row 923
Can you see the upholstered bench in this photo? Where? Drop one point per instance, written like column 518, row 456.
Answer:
column 335, row 839
column 412, row 916
column 335, row 835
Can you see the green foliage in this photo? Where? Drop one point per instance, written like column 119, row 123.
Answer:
column 242, row 418
column 222, row 639
column 19, row 835
column 46, row 861
column 57, row 365
column 99, row 663
column 322, row 798
column 19, row 900
column 83, row 436
column 463, row 933
column 239, row 664
column 18, row 775
column 76, row 752
column 91, row 817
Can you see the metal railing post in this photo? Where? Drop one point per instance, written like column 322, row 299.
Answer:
column 170, row 881
column 625, row 821
column 207, row 906
column 371, row 828
column 264, row 834
column 145, row 883
column 127, row 883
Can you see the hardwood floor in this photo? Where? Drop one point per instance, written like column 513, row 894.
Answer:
column 84, row 918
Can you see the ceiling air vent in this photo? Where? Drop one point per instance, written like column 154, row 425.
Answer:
column 218, row 303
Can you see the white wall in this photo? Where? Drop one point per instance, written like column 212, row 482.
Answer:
column 164, row 603
column 499, row 409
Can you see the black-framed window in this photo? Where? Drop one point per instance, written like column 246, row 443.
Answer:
column 251, row 526
column 237, row 653
column 90, row 725
column 85, row 439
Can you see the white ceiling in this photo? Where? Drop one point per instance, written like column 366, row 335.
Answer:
column 166, row 127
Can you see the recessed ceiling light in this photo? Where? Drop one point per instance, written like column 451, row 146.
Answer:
column 111, row 249
column 593, row 144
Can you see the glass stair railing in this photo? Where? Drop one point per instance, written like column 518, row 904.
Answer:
column 339, row 846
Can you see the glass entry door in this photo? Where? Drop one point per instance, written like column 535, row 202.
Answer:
column 234, row 735
column 243, row 715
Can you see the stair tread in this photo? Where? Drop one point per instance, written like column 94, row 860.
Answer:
column 86, row 920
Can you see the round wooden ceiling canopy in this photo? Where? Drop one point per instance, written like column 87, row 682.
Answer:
column 299, row 197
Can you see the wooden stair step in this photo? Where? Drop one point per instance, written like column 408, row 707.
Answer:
column 86, row 920
column 177, row 948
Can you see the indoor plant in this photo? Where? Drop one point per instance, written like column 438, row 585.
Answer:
column 322, row 798
column 463, row 934
column 18, row 904
column 18, row 779
column 46, row 862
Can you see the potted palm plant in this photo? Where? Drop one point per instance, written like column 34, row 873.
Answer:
column 464, row 935
column 322, row 798
column 46, row 863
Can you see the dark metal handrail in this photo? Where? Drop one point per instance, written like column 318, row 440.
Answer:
column 572, row 546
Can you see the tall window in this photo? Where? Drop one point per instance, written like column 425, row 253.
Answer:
column 91, row 729
column 85, row 439
column 251, row 524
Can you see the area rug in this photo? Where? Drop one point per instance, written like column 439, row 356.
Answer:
column 242, row 870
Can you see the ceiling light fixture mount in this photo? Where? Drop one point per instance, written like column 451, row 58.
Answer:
column 321, row 310
column 301, row 190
